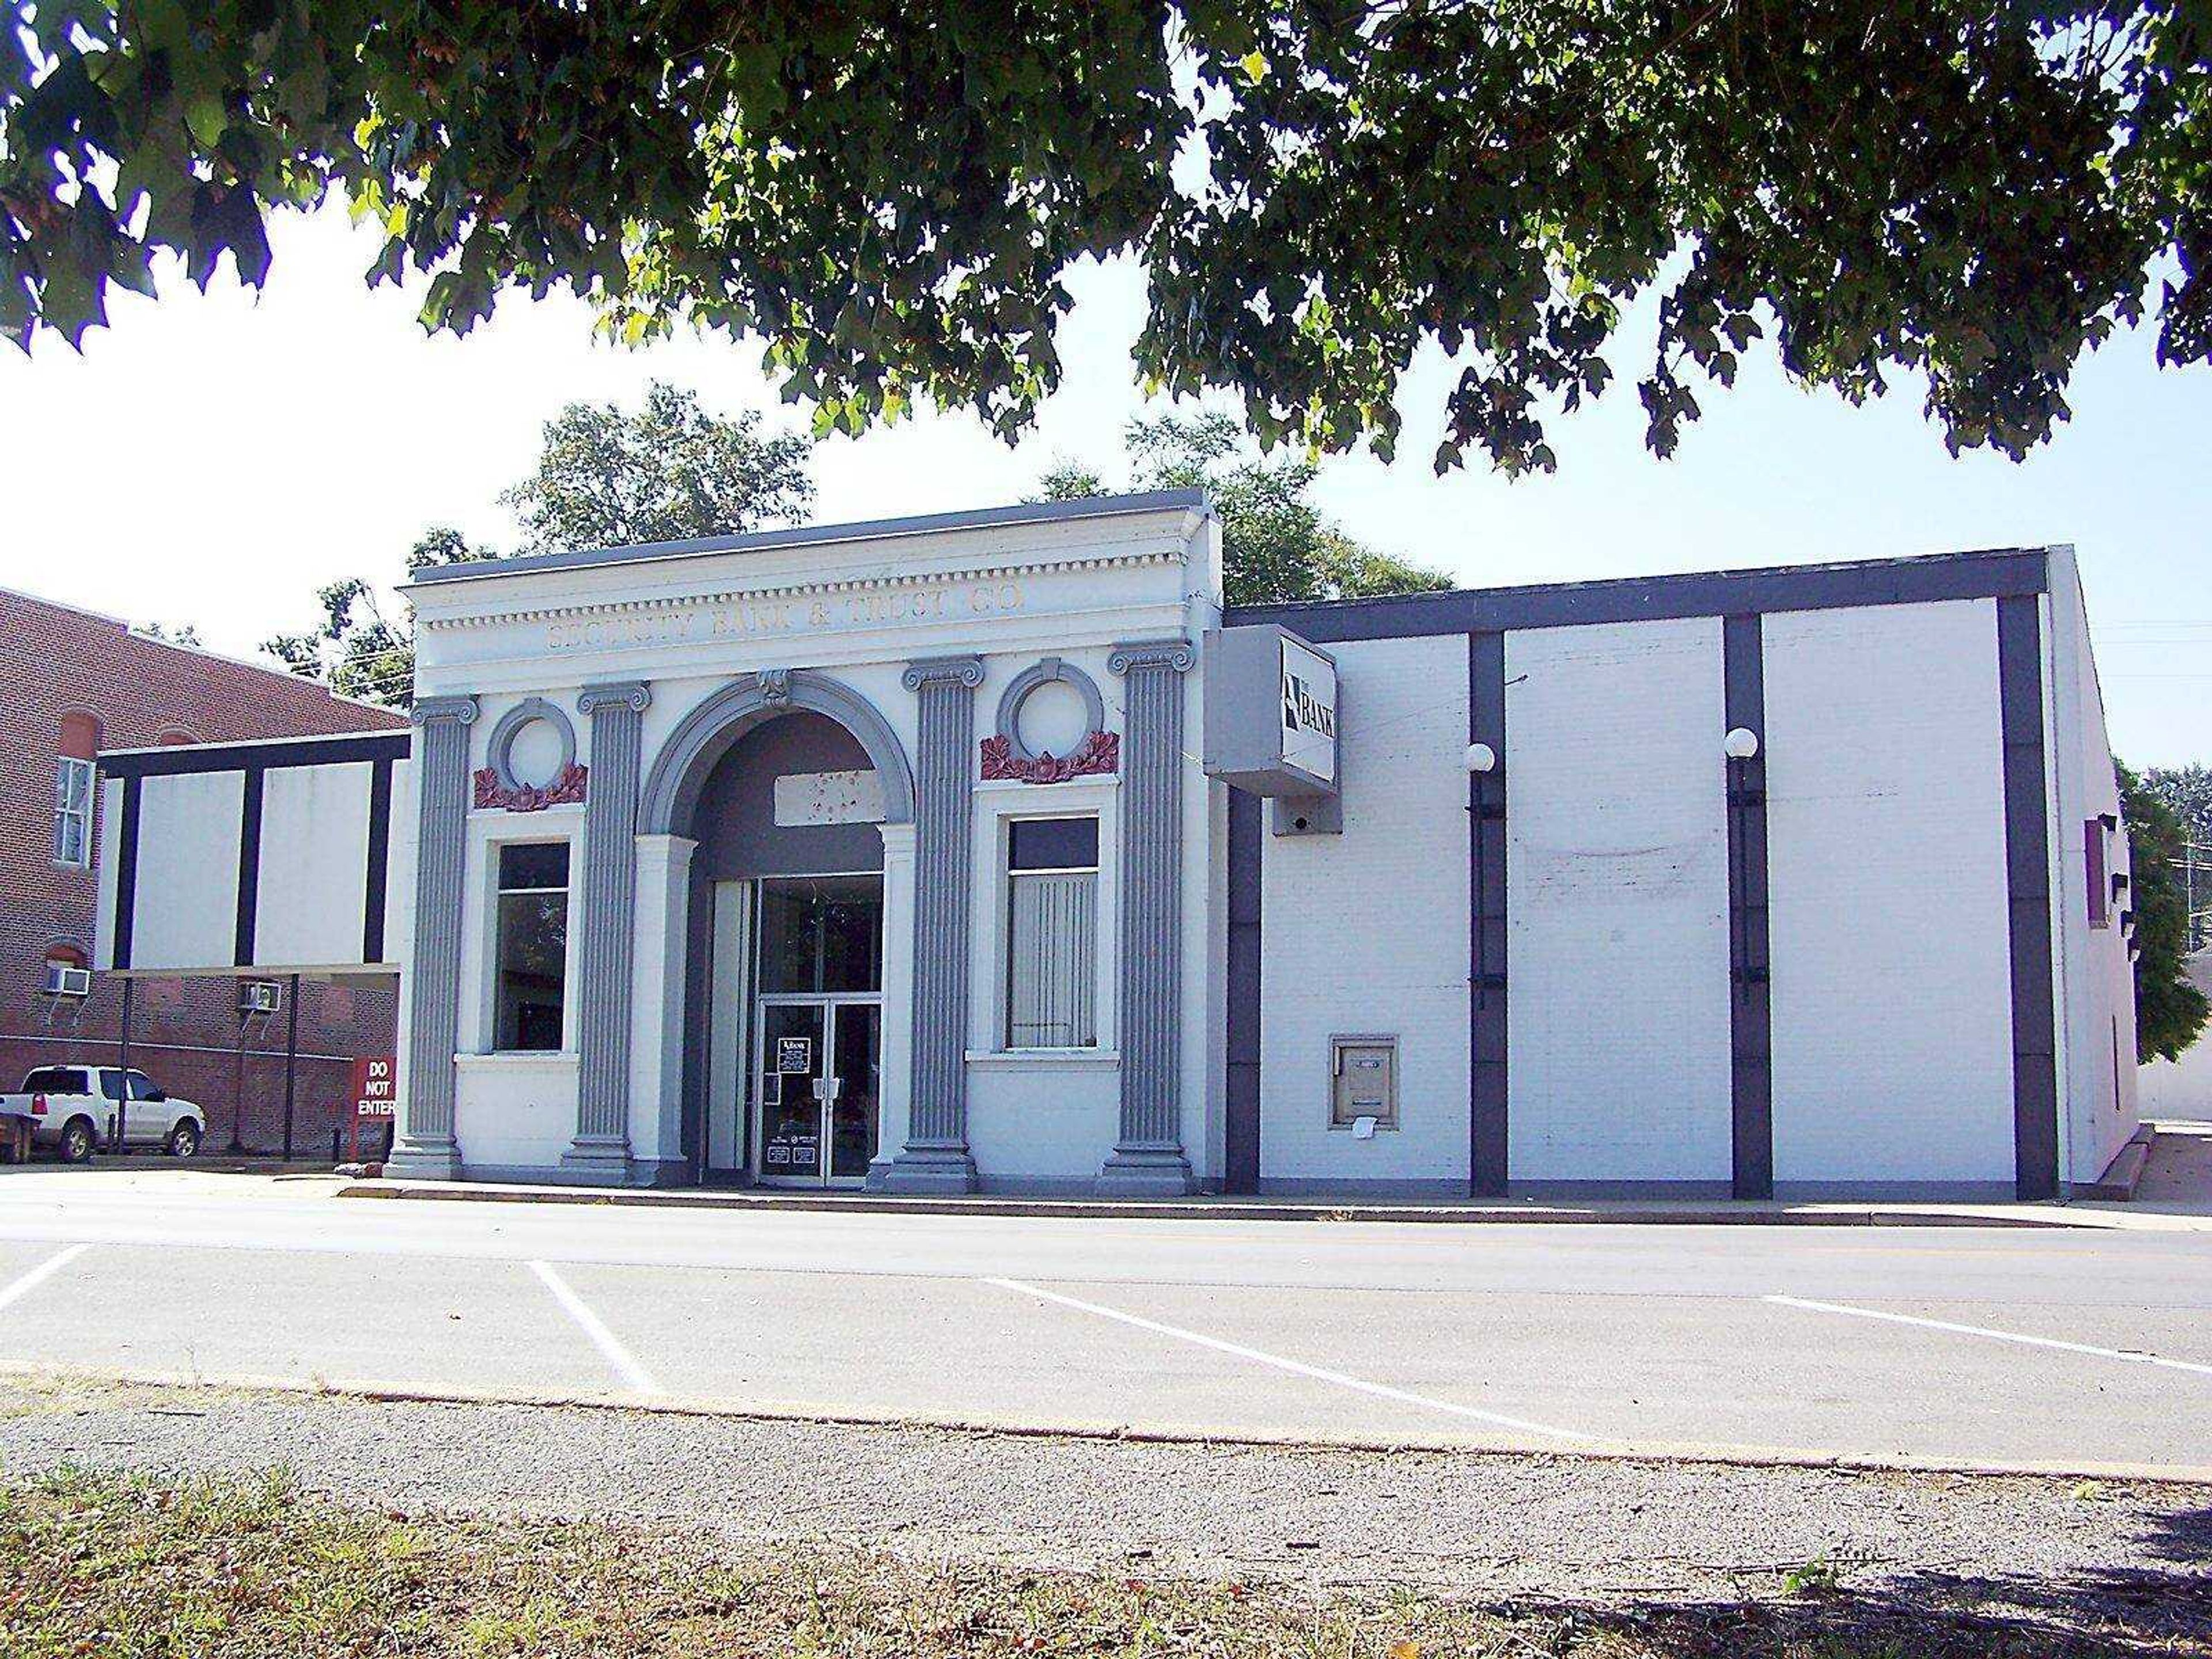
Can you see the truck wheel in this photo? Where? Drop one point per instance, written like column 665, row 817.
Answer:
column 184, row 1139
column 78, row 1139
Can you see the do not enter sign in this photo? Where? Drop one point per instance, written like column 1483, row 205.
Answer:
column 374, row 1092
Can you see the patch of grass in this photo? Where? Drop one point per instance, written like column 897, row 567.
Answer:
column 136, row 1568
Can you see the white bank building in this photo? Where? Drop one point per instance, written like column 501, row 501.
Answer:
column 987, row 852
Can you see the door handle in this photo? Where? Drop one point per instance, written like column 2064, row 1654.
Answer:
column 828, row 1088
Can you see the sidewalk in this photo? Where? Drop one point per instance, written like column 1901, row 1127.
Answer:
column 2189, row 1211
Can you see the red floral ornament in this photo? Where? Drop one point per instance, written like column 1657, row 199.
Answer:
column 1099, row 752
column 564, row 791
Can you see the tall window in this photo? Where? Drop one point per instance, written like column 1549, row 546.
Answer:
column 533, row 945
column 2098, row 859
column 73, row 812
column 1052, row 933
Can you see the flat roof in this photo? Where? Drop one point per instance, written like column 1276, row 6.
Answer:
column 865, row 530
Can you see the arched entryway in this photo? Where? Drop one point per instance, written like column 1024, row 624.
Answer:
column 786, row 791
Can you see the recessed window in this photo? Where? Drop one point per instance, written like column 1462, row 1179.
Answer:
column 73, row 812
column 533, row 945
column 2097, row 859
column 1052, row 933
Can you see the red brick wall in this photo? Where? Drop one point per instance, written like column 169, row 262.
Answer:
column 186, row 1033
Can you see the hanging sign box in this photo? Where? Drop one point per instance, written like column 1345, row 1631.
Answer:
column 1271, row 713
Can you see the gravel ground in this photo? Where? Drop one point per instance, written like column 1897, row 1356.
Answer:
column 1480, row 1523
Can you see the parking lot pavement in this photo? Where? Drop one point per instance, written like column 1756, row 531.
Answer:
column 2056, row 1351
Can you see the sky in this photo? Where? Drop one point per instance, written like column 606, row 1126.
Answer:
column 212, row 459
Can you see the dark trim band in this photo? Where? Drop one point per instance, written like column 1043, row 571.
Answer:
column 1488, row 1079
column 182, row 759
column 126, row 871
column 1751, row 1011
column 2027, row 890
column 1247, row 844
column 2001, row 574
column 379, row 861
column 249, row 869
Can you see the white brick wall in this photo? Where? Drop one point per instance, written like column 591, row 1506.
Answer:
column 2096, row 983
column 1617, row 871
column 1891, row 988
column 1367, row 931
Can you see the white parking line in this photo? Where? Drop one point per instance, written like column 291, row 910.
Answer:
column 2122, row 1354
column 605, row 1339
column 40, row 1274
column 1383, row 1390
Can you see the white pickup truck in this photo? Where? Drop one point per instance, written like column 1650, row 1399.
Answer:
column 73, row 1110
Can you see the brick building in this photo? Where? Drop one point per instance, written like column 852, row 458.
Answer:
column 74, row 682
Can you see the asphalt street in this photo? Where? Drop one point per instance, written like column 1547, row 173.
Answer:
column 2057, row 1350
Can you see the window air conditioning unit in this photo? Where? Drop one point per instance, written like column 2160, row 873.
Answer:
column 259, row 996
column 64, row 980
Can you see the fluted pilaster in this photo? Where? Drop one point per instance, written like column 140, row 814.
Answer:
column 936, row 1158
column 608, row 918
column 1148, row 1157
column 426, row 1148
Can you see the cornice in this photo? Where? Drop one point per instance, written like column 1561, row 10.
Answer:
column 799, row 590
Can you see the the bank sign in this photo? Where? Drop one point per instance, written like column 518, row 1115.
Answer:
column 1270, row 713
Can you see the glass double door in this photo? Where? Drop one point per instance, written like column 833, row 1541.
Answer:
column 817, row 1071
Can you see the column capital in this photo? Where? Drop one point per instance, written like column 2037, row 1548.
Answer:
column 460, row 710
column 943, row 671
column 634, row 695
column 1175, row 655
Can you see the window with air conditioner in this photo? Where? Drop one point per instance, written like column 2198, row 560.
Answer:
column 73, row 812
column 1052, row 933
column 66, row 979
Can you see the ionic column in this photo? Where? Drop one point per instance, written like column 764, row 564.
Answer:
column 608, row 917
column 425, row 1149
column 1148, row 1157
column 935, row 1158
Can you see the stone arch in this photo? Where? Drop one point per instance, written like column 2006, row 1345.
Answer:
column 705, row 735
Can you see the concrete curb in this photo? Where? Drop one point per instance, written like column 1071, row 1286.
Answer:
column 2118, row 1183
column 1239, row 1209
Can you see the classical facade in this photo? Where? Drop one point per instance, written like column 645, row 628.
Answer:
column 985, row 851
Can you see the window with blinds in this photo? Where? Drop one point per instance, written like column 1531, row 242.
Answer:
column 1052, row 934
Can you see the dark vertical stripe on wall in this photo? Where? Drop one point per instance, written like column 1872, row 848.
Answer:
column 1246, row 844
column 126, row 871
column 1751, row 1014
column 379, row 861
column 2027, row 886
column 1485, row 837
column 249, row 868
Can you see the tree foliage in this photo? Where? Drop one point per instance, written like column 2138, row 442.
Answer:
column 1275, row 544
column 357, row 648
column 669, row 473
column 170, row 633
column 888, row 196
column 2170, row 1010
column 2188, row 791
column 604, row 478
